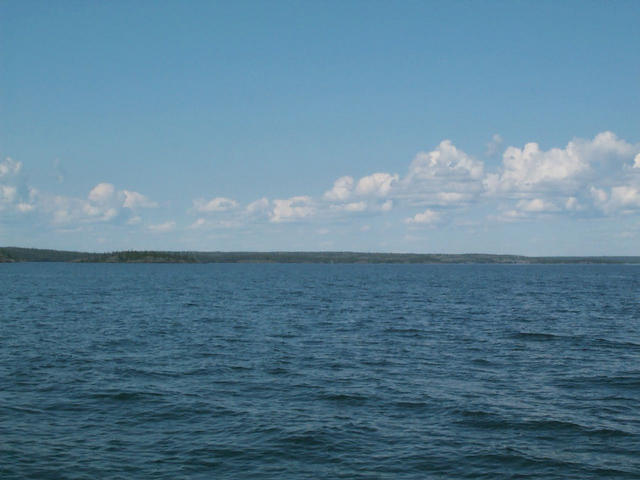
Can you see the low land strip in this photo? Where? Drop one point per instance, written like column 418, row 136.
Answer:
column 17, row 254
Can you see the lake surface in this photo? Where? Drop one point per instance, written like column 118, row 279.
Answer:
column 319, row 371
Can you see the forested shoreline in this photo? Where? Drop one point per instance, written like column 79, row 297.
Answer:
column 17, row 254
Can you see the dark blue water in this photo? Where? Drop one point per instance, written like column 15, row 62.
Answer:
column 319, row 371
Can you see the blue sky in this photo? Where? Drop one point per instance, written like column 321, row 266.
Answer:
column 501, row 127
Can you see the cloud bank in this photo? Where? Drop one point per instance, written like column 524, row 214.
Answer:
column 587, row 178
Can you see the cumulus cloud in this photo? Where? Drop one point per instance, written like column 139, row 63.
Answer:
column 587, row 176
column 445, row 176
column 624, row 198
column 387, row 206
column 163, row 227
column 530, row 169
column 104, row 203
column 259, row 206
column 378, row 184
column 452, row 198
column 341, row 190
column 218, row 204
column 15, row 196
column 571, row 203
column 291, row 209
column 536, row 181
column 604, row 146
column 355, row 207
column 60, row 171
column 7, row 193
column 102, row 193
column 25, row 207
column 199, row 223
column 350, row 207
column 427, row 217
column 494, row 145
column 445, row 162
column 536, row 205
column 9, row 167
column 599, row 195
column 134, row 200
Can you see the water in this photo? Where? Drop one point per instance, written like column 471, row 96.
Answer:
column 319, row 371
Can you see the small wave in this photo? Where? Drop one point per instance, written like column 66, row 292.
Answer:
column 515, row 458
column 616, row 343
column 568, row 426
column 304, row 439
column 603, row 381
column 414, row 332
column 483, row 419
column 482, row 361
column 346, row 398
column 126, row 396
column 537, row 336
column 18, row 408
column 413, row 405
column 277, row 371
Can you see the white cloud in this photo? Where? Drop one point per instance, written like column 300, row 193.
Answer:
column 291, row 209
column 572, row 203
column 163, row 227
column 621, row 198
column 494, row 145
column 102, row 193
column 25, row 207
column 104, row 204
column 350, row 207
column 136, row 200
column 445, row 162
column 97, row 213
column 356, row 207
column 218, row 204
column 536, row 205
column 625, row 196
column 452, row 198
column 258, row 206
column 443, row 176
column 599, row 195
column 9, row 167
column 341, row 190
column 427, row 217
column 586, row 178
column 199, row 223
column 378, row 184
column 60, row 172
column 7, row 193
column 531, row 169
column 511, row 215
column 604, row 145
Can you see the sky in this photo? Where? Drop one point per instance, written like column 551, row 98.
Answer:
column 430, row 127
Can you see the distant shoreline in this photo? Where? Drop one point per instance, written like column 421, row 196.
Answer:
column 18, row 254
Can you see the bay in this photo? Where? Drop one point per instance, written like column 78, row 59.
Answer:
column 319, row 371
